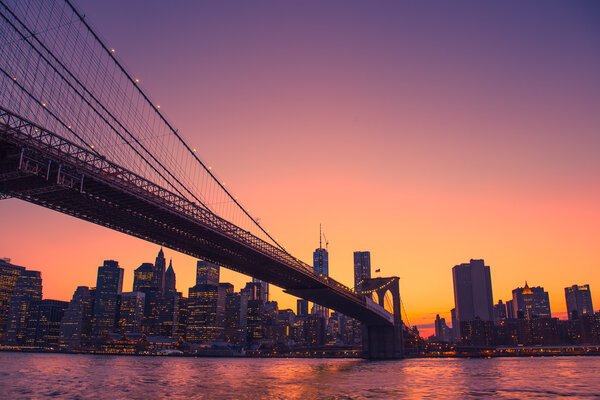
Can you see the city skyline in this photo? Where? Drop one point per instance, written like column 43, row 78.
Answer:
column 525, row 201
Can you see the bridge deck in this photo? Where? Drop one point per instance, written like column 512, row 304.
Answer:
column 42, row 168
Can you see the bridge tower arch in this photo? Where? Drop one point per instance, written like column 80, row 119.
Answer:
column 383, row 341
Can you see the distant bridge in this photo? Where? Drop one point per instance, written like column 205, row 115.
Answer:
column 79, row 136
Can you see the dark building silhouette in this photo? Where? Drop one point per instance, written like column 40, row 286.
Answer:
column 159, row 272
column 9, row 274
column 472, row 292
column 531, row 302
column 510, row 310
column 236, row 318
column 76, row 324
column 442, row 332
column 145, row 281
column 27, row 290
column 579, row 301
column 321, row 266
column 302, row 307
column 499, row 311
column 362, row 267
column 143, row 277
column 264, row 289
column 170, row 286
column 106, row 304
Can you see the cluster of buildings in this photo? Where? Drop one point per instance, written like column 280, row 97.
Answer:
column 154, row 315
column 524, row 320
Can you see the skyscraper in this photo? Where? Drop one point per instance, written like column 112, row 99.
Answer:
column 108, row 288
column 321, row 266
column 207, row 273
column 159, row 271
column 206, row 308
column 499, row 311
column 27, row 290
column 131, row 312
column 579, row 301
column 9, row 274
column 43, row 328
column 76, row 324
column 170, row 279
column 236, row 316
column 472, row 292
column 362, row 267
column 302, row 307
column 264, row 289
column 531, row 302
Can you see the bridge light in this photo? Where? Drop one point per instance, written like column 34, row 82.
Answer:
column 194, row 150
column 44, row 105
column 15, row 79
column 137, row 80
column 209, row 167
column 92, row 146
column 112, row 50
column 69, row 127
column 158, row 106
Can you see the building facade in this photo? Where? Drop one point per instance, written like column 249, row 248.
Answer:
column 579, row 301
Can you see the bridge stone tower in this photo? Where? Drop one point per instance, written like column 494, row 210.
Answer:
column 383, row 341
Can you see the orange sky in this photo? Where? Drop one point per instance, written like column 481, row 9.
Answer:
column 426, row 135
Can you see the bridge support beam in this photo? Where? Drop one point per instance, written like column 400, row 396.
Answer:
column 383, row 342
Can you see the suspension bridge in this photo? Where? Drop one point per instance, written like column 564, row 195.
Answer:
column 78, row 135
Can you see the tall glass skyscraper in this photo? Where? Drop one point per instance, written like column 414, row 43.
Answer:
column 531, row 302
column 321, row 266
column 579, row 301
column 27, row 290
column 362, row 267
column 108, row 288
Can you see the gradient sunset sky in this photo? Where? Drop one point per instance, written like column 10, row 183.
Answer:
column 427, row 132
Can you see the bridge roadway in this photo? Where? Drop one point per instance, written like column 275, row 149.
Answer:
column 42, row 168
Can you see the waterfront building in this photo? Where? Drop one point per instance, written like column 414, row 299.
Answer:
column 170, row 282
column 43, row 327
column 27, row 290
column 455, row 328
column 169, row 313
column 255, row 324
column 109, row 286
column 314, row 331
column 182, row 317
column 206, row 308
column 499, row 311
column 362, row 267
column 302, row 307
column 579, row 301
column 236, row 317
column 472, row 292
column 9, row 274
column 76, row 324
column 531, row 302
column 131, row 312
column 207, row 273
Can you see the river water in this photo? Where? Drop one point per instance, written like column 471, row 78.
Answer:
column 66, row 376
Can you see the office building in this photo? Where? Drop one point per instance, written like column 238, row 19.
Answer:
column 131, row 312
column 27, row 290
column 264, row 289
column 302, row 307
column 236, row 317
column 579, row 301
column 500, row 311
column 9, row 274
column 43, row 327
column 109, row 286
column 362, row 267
column 207, row 273
column 76, row 324
column 531, row 302
column 159, row 271
column 206, row 308
column 472, row 292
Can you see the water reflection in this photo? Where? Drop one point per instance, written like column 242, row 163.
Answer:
column 58, row 376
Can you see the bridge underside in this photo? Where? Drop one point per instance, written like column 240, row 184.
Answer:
column 41, row 176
